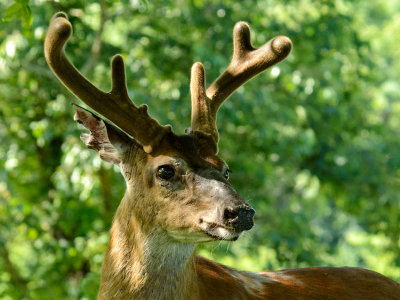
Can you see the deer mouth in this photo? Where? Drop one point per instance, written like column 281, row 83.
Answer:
column 219, row 232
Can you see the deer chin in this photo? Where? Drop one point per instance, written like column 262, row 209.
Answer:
column 190, row 237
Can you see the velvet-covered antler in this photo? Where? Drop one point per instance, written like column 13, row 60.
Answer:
column 246, row 62
column 114, row 105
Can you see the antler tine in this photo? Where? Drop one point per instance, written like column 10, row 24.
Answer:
column 201, row 106
column 115, row 105
column 246, row 63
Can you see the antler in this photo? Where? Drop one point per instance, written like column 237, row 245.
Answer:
column 246, row 62
column 114, row 105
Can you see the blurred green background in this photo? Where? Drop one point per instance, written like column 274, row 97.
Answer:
column 314, row 143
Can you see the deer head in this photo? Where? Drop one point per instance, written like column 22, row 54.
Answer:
column 175, row 183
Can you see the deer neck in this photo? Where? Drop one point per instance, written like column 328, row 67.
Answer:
column 143, row 264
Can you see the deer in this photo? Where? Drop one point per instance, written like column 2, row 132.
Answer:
column 177, row 189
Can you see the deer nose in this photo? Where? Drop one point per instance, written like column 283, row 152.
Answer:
column 240, row 218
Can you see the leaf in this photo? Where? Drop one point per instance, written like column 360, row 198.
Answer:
column 19, row 10
column 26, row 16
column 12, row 11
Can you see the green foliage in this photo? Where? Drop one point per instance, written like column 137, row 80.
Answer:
column 313, row 143
column 19, row 9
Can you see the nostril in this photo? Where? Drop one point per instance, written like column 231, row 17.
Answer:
column 230, row 215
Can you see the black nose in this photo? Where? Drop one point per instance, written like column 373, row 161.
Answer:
column 240, row 218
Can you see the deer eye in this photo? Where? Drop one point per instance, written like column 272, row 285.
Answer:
column 165, row 172
column 226, row 175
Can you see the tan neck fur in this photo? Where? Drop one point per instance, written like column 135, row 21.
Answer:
column 143, row 264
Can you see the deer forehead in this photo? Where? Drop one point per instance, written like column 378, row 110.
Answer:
column 186, row 163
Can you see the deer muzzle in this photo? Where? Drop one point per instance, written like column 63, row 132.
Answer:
column 227, row 215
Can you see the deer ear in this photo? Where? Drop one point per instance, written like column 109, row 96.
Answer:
column 110, row 142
